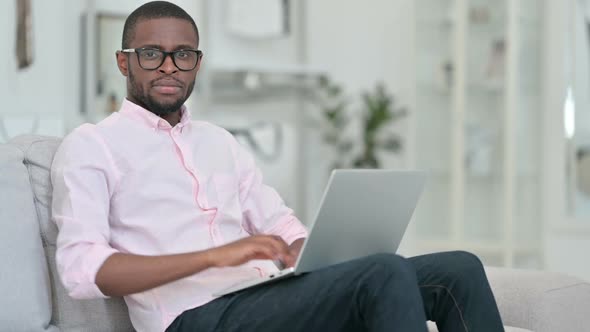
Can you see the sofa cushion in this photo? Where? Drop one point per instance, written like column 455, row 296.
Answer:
column 540, row 301
column 432, row 328
column 68, row 314
column 24, row 280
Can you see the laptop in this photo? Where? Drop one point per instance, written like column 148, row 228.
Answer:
column 362, row 212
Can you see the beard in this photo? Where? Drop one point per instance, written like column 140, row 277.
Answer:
column 151, row 104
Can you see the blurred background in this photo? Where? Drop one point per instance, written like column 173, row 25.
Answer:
column 491, row 97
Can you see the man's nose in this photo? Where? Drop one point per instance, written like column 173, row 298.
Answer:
column 168, row 66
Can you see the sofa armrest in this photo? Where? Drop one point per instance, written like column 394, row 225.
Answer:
column 541, row 301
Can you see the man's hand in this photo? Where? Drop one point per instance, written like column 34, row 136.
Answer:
column 294, row 250
column 254, row 247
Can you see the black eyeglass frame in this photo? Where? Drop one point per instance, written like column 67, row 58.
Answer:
column 165, row 55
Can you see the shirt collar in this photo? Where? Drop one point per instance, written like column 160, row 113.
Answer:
column 129, row 108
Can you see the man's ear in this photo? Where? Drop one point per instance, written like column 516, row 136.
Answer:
column 199, row 64
column 122, row 63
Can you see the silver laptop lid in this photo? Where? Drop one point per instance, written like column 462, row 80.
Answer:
column 362, row 212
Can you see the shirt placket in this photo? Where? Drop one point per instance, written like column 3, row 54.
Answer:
column 186, row 157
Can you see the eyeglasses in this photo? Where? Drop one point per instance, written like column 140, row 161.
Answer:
column 153, row 58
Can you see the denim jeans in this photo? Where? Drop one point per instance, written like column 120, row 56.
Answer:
column 383, row 292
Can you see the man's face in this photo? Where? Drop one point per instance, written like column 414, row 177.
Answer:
column 163, row 90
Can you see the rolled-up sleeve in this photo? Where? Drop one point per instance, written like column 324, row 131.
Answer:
column 84, row 176
column 263, row 208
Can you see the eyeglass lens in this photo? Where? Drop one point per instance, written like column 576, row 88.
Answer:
column 152, row 59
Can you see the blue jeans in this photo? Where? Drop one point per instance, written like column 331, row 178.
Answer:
column 383, row 292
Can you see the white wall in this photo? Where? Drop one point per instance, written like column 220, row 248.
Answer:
column 360, row 43
column 567, row 240
column 582, row 72
column 38, row 92
column 43, row 81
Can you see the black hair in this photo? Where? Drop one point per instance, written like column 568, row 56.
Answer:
column 151, row 10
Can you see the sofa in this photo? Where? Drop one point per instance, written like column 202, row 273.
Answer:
column 33, row 298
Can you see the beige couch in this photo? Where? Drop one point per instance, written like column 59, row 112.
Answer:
column 33, row 299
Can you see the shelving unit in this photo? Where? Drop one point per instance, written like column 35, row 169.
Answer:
column 254, row 82
column 248, row 80
column 477, row 128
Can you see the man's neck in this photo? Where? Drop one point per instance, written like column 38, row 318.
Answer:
column 172, row 118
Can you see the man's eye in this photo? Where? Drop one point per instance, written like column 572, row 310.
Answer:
column 182, row 55
column 150, row 54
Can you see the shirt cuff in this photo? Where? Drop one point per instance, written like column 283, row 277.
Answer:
column 290, row 230
column 85, row 286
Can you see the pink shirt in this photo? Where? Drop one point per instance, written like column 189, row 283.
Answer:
column 134, row 184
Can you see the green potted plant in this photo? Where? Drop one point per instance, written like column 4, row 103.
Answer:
column 373, row 119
